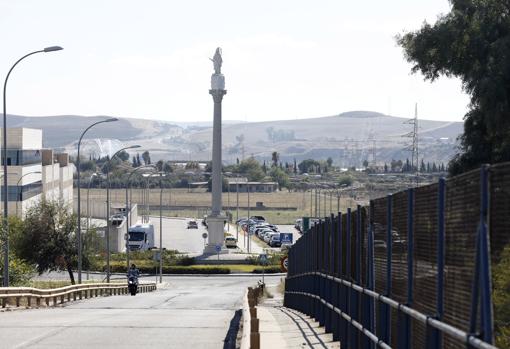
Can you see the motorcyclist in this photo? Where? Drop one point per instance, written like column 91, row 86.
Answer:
column 133, row 271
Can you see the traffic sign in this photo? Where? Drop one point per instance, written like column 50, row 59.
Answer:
column 286, row 238
column 284, row 264
column 218, row 248
column 263, row 258
column 204, row 235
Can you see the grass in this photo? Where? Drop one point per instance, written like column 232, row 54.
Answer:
column 299, row 202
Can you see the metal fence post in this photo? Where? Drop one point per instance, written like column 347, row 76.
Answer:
column 437, row 337
column 481, row 291
column 406, row 334
column 341, row 289
column 385, row 317
column 370, row 277
column 348, row 275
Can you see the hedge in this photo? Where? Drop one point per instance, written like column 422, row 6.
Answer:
column 150, row 269
column 268, row 270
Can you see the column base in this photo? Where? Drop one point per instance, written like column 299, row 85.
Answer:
column 215, row 226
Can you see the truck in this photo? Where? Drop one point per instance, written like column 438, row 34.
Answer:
column 141, row 237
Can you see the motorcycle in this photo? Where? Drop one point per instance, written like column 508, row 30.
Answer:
column 132, row 284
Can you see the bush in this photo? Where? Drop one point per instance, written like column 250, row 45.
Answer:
column 268, row 270
column 501, row 294
column 20, row 272
column 151, row 267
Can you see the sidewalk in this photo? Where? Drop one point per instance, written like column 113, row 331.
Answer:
column 282, row 327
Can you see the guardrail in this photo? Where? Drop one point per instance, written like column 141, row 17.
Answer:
column 53, row 296
column 251, row 335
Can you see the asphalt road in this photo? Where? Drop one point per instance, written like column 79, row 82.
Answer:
column 188, row 312
column 176, row 236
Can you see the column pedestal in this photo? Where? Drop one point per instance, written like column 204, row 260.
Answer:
column 215, row 226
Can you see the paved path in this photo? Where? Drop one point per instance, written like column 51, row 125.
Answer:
column 282, row 327
column 188, row 312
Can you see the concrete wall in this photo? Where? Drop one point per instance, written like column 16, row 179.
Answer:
column 23, row 138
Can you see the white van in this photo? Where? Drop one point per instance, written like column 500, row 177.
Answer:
column 141, row 237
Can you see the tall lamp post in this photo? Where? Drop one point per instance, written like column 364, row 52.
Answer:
column 88, row 192
column 129, row 204
column 160, row 175
column 20, row 194
column 78, row 232
column 108, row 209
column 4, row 156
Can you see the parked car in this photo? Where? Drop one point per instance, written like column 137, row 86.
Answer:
column 258, row 218
column 268, row 236
column 298, row 223
column 274, row 241
column 192, row 224
column 230, row 241
column 264, row 233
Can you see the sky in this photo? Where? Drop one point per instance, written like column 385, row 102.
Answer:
column 282, row 59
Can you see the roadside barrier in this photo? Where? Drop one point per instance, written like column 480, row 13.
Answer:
column 251, row 335
column 62, row 294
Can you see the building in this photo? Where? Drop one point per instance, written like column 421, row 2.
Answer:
column 243, row 185
column 34, row 173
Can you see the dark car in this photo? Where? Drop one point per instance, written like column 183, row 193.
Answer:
column 192, row 225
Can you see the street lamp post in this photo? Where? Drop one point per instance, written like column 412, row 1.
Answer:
column 20, row 193
column 88, row 195
column 78, row 232
column 237, row 211
column 108, row 209
column 249, row 225
column 4, row 156
column 129, row 205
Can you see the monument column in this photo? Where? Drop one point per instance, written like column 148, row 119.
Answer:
column 215, row 221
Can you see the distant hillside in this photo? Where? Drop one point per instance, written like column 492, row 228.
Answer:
column 349, row 138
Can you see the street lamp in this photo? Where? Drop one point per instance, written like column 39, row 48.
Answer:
column 88, row 192
column 4, row 155
column 20, row 193
column 160, row 175
column 128, row 206
column 108, row 209
column 78, row 232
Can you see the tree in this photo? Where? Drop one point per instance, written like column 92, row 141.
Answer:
column 252, row 169
column 307, row 165
column 365, row 163
column 279, row 176
column 264, row 167
column 138, row 162
column 274, row 158
column 135, row 163
column 471, row 43
column 47, row 238
column 295, row 166
column 167, row 167
column 329, row 161
column 123, row 155
column 422, row 166
column 385, row 167
column 146, row 157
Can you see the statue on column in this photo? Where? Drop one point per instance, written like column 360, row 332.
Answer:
column 217, row 61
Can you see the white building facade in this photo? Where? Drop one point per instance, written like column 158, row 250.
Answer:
column 34, row 173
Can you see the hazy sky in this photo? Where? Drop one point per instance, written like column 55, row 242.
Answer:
column 283, row 59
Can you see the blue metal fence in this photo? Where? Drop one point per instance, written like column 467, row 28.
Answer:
column 333, row 270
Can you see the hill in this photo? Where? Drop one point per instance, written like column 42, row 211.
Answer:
column 349, row 138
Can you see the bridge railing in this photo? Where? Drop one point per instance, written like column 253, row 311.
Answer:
column 411, row 270
column 67, row 293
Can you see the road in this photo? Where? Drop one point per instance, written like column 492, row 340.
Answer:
column 188, row 312
column 177, row 237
